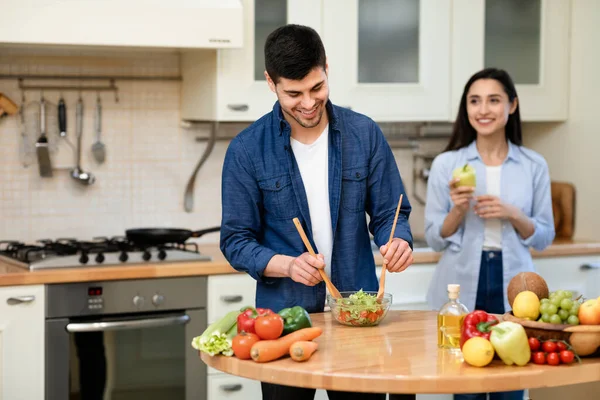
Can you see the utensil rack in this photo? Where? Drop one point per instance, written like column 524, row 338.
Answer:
column 111, row 86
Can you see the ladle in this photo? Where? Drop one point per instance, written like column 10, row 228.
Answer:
column 77, row 173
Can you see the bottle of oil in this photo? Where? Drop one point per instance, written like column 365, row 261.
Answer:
column 450, row 320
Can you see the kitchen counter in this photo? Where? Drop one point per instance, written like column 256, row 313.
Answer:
column 13, row 276
column 398, row 356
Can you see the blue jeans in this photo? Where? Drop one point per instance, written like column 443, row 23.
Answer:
column 490, row 298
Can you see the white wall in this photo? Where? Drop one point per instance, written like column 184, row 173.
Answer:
column 572, row 149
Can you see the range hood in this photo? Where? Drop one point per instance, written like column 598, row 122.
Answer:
column 193, row 24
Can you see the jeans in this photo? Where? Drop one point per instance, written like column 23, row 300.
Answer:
column 490, row 298
column 271, row 391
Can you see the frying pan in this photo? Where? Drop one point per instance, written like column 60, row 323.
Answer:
column 158, row 236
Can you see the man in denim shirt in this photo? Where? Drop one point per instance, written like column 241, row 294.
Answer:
column 325, row 165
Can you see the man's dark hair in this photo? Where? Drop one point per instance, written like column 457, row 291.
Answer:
column 292, row 51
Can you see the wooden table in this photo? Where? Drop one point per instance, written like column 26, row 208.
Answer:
column 399, row 356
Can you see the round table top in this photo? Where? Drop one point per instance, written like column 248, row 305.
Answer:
column 399, row 356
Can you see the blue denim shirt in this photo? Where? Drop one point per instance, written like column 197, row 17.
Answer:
column 525, row 183
column 262, row 191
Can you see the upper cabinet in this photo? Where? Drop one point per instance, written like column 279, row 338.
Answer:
column 230, row 85
column 136, row 23
column 529, row 39
column 389, row 59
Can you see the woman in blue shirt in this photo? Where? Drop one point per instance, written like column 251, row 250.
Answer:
column 484, row 233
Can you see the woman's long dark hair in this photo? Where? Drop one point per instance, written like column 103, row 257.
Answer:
column 463, row 133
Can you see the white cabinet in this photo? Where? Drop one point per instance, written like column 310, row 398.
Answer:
column 389, row 59
column 154, row 23
column 22, row 342
column 225, row 386
column 579, row 274
column 409, row 287
column 230, row 85
column 229, row 292
column 528, row 39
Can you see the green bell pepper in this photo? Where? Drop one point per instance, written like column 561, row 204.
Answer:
column 294, row 318
column 509, row 339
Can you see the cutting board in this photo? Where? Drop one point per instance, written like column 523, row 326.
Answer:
column 563, row 209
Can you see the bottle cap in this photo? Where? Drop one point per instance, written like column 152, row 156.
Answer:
column 453, row 288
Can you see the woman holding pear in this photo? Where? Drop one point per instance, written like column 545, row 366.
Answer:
column 488, row 202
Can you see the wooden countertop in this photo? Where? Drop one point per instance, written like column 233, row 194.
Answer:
column 399, row 356
column 14, row 276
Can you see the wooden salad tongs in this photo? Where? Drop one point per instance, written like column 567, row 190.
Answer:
column 332, row 289
column 384, row 268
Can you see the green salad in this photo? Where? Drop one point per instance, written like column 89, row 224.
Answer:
column 359, row 309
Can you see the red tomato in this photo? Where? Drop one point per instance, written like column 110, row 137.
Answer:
column 534, row 344
column 269, row 327
column 566, row 356
column 553, row 359
column 242, row 343
column 560, row 346
column 539, row 357
column 549, row 347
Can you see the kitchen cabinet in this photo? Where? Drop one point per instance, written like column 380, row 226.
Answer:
column 133, row 23
column 22, row 342
column 389, row 59
column 579, row 274
column 528, row 39
column 230, row 85
column 409, row 288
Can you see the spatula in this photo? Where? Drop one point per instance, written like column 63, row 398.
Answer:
column 98, row 148
column 332, row 289
column 41, row 146
column 382, row 279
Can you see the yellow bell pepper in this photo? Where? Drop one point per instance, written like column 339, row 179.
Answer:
column 509, row 339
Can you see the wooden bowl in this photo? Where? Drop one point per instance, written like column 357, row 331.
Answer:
column 585, row 339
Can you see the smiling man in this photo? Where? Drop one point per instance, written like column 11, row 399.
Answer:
column 326, row 165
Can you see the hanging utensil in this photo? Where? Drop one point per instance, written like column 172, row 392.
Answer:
column 41, row 146
column 332, row 289
column 98, row 148
column 77, row 173
column 384, row 268
column 62, row 118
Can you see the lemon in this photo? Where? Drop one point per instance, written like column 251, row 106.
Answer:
column 526, row 305
column 478, row 352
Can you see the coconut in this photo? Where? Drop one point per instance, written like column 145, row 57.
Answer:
column 527, row 281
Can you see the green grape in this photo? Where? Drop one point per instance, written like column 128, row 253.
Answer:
column 560, row 293
column 556, row 301
column 573, row 320
column 544, row 301
column 568, row 294
column 544, row 308
column 552, row 309
column 555, row 319
column 566, row 304
column 563, row 314
column 575, row 309
column 546, row 317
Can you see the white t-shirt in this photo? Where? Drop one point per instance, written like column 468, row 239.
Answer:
column 493, row 227
column 312, row 161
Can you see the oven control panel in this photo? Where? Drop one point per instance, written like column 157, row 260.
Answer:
column 95, row 300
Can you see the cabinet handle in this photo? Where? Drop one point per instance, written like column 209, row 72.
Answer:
column 589, row 266
column 238, row 107
column 232, row 299
column 13, row 301
column 236, row 387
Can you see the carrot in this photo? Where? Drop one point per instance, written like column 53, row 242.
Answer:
column 269, row 350
column 302, row 350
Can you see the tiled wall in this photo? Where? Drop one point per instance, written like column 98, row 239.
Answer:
column 149, row 155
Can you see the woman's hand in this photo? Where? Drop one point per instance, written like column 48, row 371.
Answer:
column 461, row 195
column 489, row 206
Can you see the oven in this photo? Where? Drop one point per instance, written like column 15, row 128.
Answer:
column 127, row 339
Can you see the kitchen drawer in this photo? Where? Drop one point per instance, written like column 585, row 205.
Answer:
column 225, row 386
column 409, row 288
column 229, row 292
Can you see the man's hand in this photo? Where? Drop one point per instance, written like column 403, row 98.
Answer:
column 397, row 256
column 492, row 207
column 305, row 269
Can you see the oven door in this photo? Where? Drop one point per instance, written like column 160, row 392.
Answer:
column 141, row 356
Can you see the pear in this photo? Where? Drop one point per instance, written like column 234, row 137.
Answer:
column 466, row 176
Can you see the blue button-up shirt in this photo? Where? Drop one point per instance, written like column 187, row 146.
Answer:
column 262, row 191
column 525, row 183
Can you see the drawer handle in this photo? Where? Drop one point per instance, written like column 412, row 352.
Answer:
column 13, row 301
column 232, row 299
column 589, row 266
column 238, row 107
column 236, row 387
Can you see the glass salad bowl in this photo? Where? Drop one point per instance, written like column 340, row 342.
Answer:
column 359, row 308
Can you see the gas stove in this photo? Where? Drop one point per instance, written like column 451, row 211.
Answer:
column 69, row 253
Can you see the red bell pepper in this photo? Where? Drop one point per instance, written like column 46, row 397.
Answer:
column 245, row 321
column 477, row 323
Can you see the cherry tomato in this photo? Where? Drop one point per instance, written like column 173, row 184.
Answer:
column 269, row 327
column 560, row 346
column 553, row 359
column 549, row 347
column 534, row 344
column 566, row 356
column 242, row 343
column 539, row 357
